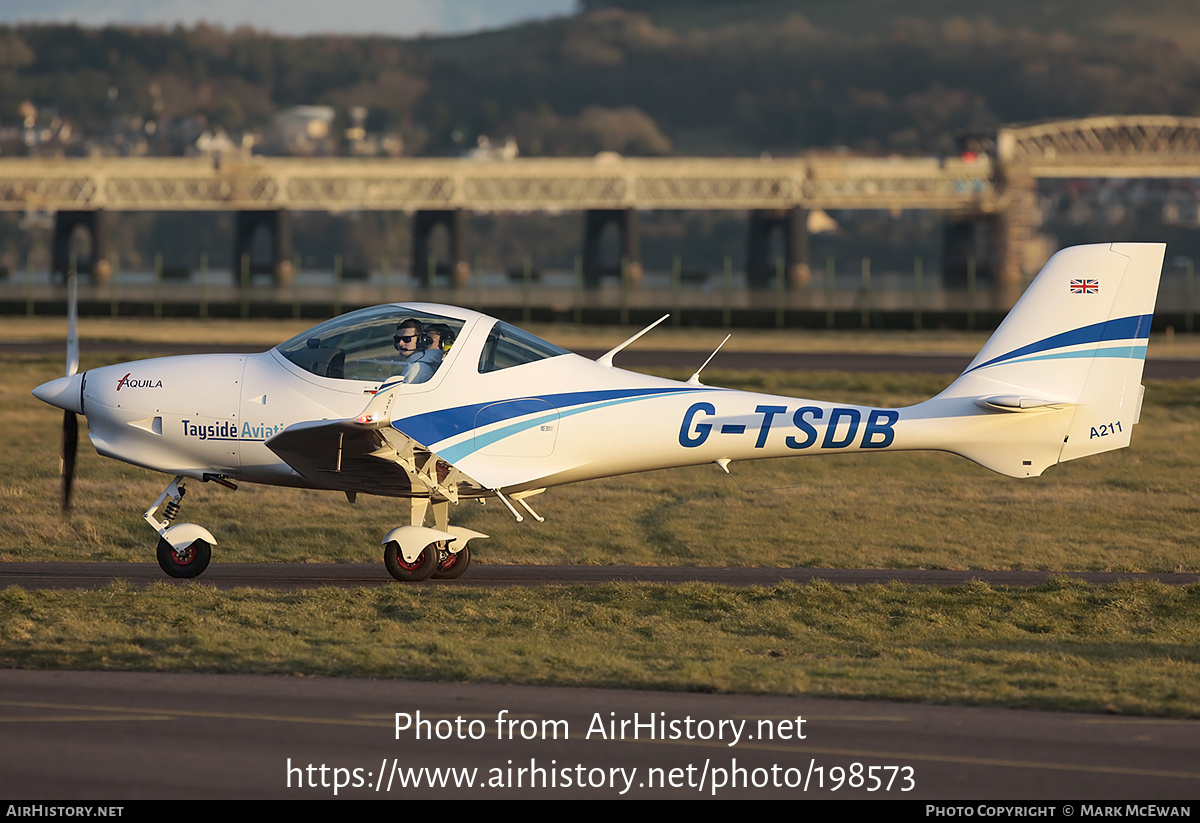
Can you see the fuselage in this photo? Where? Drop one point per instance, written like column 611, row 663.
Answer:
column 508, row 410
column 213, row 415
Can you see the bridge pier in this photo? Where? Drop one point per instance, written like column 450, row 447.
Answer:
column 1003, row 246
column 1014, row 235
column 792, row 226
column 596, row 221
column 963, row 243
column 278, row 226
column 96, row 264
column 424, row 224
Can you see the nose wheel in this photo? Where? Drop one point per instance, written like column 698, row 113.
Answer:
column 186, row 561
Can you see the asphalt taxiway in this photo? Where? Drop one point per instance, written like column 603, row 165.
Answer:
column 116, row 736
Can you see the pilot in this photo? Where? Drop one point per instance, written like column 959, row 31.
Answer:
column 418, row 357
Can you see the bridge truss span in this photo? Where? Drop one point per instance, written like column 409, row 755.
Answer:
column 532, row 184
column 1119, row 146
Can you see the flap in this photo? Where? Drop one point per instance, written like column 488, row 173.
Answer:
column 370, row 457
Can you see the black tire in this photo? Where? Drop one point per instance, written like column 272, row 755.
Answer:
column 421, row 569
column 189, row 561
column 454, row 565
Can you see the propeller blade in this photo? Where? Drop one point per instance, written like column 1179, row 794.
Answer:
column 72, row 325
column 70, row 444
column 70, row 426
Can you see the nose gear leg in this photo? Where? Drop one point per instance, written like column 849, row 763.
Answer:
column 184, row 549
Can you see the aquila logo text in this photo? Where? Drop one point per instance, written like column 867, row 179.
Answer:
column 136, row 383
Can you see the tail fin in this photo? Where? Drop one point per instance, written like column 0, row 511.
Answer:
column 1070, row 356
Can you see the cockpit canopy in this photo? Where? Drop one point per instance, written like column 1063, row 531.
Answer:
column 508, row 346
column 364, row 345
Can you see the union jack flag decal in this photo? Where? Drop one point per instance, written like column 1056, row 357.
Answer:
column 1085, row 286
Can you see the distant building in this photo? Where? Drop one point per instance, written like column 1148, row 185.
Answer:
column 303, row 130
column 484, row 150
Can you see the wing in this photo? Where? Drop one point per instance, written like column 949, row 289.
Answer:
column 369, row 456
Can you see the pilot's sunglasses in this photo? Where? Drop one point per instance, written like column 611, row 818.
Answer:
column 404, row 337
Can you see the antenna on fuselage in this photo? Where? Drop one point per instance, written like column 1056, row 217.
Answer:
column 695, row 378
column 606, row 359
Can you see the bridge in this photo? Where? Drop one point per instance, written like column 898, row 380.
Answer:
column 988, row 193
column 537, row 184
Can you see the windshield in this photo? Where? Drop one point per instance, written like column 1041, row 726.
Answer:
column 375, row 344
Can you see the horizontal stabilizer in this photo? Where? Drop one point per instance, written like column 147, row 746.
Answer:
column 1017, row 403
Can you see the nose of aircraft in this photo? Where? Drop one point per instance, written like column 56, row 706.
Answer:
column 65, row 393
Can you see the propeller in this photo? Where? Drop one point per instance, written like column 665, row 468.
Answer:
column 70, row 425
column 70, row 443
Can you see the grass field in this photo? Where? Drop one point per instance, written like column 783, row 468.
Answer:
column 1126, row 648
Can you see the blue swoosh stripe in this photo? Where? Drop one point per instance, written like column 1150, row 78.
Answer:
column 472, row 445
column 1123, row 328
column 1134, row 352
column 432, row 427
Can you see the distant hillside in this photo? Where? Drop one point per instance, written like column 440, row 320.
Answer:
column 641, row 76
column 1175, row 20
column 768, row 75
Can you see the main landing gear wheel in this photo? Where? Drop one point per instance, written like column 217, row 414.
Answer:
column 420, row 569
column 185, row 561
column 453, row 565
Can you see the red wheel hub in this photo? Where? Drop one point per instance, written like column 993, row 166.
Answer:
column 416, row 564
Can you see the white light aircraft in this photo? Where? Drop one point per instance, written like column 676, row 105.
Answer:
column 369, row 403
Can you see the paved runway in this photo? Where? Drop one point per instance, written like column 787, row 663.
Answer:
column 126, row 735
